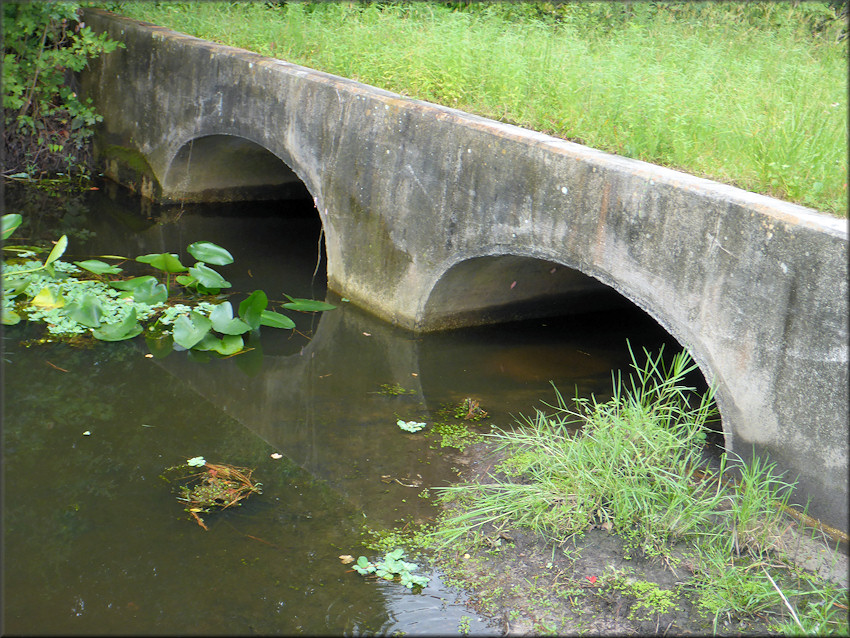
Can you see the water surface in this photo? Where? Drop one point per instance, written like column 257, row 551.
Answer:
column 95, row 543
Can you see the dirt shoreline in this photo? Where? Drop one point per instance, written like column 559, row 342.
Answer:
column 527, row 585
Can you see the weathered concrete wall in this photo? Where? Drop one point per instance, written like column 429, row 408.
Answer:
column 415, row 197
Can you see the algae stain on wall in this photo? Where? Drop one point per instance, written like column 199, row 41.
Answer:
column 130, row 168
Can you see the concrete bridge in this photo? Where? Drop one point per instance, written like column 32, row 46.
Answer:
column 437, row 219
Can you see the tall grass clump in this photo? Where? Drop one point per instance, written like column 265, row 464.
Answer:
column 634, row 465
column 749, row 94
column 631, row 466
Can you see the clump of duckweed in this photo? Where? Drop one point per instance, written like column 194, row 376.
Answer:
column 454, row 424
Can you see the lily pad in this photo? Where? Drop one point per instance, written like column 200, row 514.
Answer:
column 88, row 311
column 224, row 322
column 10, row 223
column 207, row 277
column 190, row 330
column 210, row 253
column 10, row 318
column 146, row 289
column 276, row 320
column 307, row 305
column 134, row 283
column 98, row 267
column 167, row 262
column 48, row 299
column 12, row 287
column 127, row 329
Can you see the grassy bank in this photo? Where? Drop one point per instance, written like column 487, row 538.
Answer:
column 635, row 470
column 749, row 94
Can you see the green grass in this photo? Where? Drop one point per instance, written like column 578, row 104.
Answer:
column 633, row 466
column 636, row 465
column 749, row 94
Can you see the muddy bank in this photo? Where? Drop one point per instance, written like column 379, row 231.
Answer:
column 528, row 585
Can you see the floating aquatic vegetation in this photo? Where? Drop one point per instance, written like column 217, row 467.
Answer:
column 470, row 410
column 453, row 425
column 411, row 426
column 392, row 567
column 215, row 487
column 105, row 305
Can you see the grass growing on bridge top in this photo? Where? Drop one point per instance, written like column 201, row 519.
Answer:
column 749, row 94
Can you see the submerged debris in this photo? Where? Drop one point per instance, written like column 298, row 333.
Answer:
column 214, row 487
column 470, row 410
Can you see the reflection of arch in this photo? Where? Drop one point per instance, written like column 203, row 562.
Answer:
column 220, row 168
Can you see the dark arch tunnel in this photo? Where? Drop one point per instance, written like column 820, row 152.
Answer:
column 228, row 168
column 232, row 176
column 556, row 326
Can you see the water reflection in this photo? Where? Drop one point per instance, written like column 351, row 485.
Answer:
column 95, row 542
column 323, row 406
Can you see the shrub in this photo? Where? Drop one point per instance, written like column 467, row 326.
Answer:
column 47, row 126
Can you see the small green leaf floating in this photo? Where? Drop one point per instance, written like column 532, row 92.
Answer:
column 391, row 567
column 227, row 345
column 410, row 426
column 48, row 298
column 151, row 293
column 276, row 320
column 230, row 344
column 306, row 305
column 145, row 289
column 186, row 280
column 11, row 318
column 224, row 322
column 134, row 283
column 88, row 311
column 12, row 287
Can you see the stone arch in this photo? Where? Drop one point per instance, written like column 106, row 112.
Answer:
column 223, row 167
column 501, row 287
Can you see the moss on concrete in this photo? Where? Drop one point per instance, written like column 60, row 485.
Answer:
column 130, row 168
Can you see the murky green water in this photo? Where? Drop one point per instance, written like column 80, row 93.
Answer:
column 95, row 542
